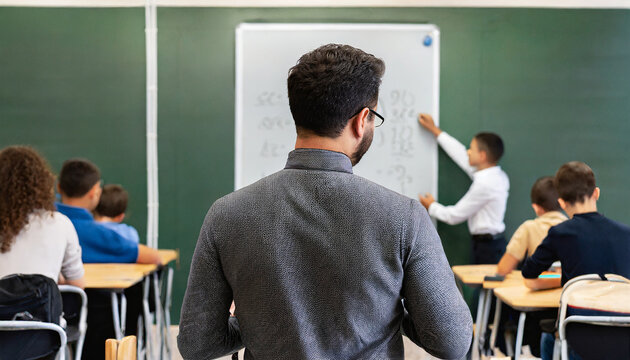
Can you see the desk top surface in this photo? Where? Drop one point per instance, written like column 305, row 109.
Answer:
column 515, row 278
column 122, row 276
column 115, row 276
column 167, row 255
column 524, row 299
column 474, row 274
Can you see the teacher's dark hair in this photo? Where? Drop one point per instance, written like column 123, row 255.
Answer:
column 330, row 85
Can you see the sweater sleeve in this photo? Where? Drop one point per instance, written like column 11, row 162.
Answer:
column 206, row 330
column 436, row 318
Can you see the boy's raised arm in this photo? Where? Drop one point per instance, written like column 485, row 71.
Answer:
column 454, row 149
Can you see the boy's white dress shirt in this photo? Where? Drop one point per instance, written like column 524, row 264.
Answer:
column 484, row 203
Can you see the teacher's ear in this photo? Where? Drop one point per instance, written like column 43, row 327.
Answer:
column 359, row 122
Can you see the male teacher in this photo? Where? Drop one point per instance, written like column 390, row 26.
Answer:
column 321, row 263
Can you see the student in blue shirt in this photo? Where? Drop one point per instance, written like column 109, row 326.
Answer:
column 110, row 211
column 80, row 189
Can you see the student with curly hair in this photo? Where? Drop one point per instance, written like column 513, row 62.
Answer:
column 34, row 238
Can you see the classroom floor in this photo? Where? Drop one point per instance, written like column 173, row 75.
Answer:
column 412, row 351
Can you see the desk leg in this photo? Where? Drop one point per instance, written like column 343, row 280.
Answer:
column 123, row 313
column 116, row 316
column 519, row 335
column 158, row 315
column 147, row 318
column 495, row 324
column 140, row 344
column 480, row 307
column 484, row 319
column 167, row 312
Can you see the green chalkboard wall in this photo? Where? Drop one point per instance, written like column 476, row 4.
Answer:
column 553, row 83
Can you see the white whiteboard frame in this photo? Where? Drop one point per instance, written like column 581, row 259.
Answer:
column 238, row 116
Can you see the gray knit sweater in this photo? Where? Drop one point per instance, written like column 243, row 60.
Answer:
column 322, row 264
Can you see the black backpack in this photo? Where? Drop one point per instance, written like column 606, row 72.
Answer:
column 31, row 298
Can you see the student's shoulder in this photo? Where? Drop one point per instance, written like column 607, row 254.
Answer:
column 569, row 228
column 111, row 236
column 62, row 220
column 618, row 226
column 526, row 226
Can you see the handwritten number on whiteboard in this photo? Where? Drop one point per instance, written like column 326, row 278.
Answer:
column 270, row 98
column 271, row 150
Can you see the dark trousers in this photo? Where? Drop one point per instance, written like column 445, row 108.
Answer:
column 488, row 250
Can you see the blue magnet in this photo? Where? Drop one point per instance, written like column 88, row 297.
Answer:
column 427, row 40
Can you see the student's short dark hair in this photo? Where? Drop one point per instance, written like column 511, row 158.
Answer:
column 113, row 201
column 492, row 144
column 574, row 182
column 544, row 194
column 77, row 177
column 330, row 85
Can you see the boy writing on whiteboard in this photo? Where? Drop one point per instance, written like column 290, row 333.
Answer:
column 483, row 205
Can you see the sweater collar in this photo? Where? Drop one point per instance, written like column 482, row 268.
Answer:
column 319, row 159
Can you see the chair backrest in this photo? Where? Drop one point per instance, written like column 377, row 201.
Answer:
column 124, row 349
column 594, row 317
column 36, row 335
column 33, row 299
column 75, row 314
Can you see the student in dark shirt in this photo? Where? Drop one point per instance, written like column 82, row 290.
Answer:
column 588, row 243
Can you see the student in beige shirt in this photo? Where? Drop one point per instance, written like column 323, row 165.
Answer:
column 532, row 232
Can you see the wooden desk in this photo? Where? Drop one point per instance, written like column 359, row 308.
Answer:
column 163, row 310
column 524, row 299
column 115, row 276
column 118, row 277
column 168, row 255
column 472, row 275
column 515, row 278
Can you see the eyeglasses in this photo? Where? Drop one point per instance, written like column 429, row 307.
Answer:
column 381, row 121
column 376, row 123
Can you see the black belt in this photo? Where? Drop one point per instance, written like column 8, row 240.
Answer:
column 487, row 237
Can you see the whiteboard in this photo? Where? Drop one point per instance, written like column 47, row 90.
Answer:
column 403, row 157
